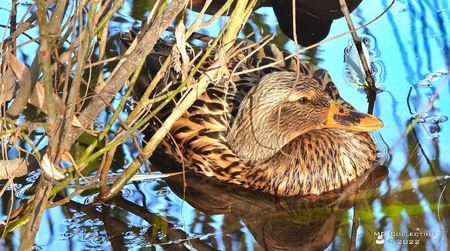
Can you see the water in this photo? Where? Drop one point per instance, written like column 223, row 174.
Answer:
column 409, row 209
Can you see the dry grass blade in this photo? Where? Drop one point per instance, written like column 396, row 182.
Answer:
column 153, row 176
column 50, row 169
column 181, row 46
column 8, row 86
column 13, row 168
column 15, row 71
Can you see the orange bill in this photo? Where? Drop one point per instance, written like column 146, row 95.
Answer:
column 344, row 118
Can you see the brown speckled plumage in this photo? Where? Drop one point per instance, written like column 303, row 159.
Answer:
column 279, row 147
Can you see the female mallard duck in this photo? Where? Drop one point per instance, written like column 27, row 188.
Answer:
column 280, row 130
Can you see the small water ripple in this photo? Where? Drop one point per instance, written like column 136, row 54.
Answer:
column 163, row 192
column 127, row 192
column 353, row 70
column 432, row 78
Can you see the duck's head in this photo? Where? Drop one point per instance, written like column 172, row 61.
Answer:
column 283, row 106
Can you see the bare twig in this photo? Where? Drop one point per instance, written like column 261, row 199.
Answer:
column 133, row 59
column 114, row 117
column 104, row 169
column 86, row 36
column 45, row 58
column 39, row 204
column 13, row 20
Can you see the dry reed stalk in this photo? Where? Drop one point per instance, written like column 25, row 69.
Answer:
column 229, row 32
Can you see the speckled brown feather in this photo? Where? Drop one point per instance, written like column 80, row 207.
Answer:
column 319, row 149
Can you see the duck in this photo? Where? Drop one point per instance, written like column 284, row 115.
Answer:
column 282, row 129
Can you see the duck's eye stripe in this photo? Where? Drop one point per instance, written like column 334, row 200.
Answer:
column 303, row 100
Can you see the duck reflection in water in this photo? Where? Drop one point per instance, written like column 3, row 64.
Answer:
column 295, row 223
column 276, row 223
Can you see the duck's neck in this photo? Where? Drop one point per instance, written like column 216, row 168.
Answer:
column 254, row 140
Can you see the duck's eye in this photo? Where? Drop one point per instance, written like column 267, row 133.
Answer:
column 303, row 100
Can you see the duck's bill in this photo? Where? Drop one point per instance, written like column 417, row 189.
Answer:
column 344, row 118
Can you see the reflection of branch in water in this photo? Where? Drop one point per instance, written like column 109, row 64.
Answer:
column 439, row 207
column 413, row 122
column 371, row 87
column 403, row 52
column 440, row 11
column 117, row 229
column 441, row 196
column 425, row 39
column 171, row 230
column 115, row 233
column 430, row 104
column 376, row 174
column 355, row 226
column 414, row 35
column 433, row 166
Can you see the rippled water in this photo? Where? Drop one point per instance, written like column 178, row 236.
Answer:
column 409, row 53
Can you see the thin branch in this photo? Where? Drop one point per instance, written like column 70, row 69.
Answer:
column 121, row 74
column 41, row 197
column 44, row 54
